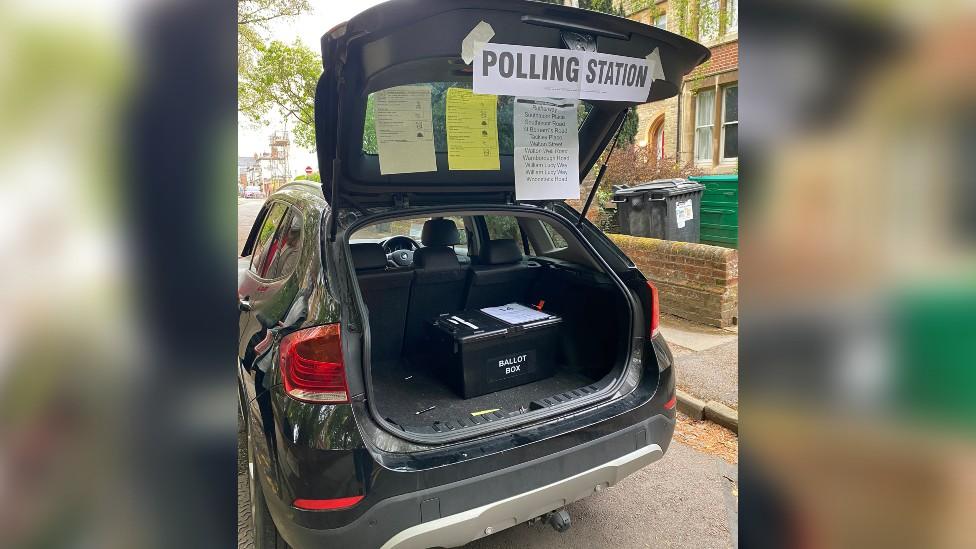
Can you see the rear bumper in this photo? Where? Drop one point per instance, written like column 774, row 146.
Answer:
column 455, row 513
column 461, row 528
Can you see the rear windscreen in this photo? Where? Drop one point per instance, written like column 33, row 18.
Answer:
column 438, row 98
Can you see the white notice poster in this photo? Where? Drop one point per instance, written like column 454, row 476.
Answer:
column 528, row 71
column 404, row 130
column 546, row 149
column 683, row 212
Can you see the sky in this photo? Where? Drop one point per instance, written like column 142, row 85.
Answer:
column 309, row 28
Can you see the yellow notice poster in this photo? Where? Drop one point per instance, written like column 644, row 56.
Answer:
column 472, row 130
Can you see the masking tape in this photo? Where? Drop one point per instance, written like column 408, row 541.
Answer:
column 472, row 44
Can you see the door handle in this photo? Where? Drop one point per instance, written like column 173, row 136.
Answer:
column 244, row 305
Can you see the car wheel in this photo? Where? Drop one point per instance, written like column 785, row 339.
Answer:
column 263, row 530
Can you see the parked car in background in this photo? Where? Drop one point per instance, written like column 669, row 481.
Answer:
column 354, row 437
column 253, row 191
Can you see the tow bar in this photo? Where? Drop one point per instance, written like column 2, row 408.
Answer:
column 559, row 520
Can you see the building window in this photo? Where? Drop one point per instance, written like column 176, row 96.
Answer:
column 704, row 122
column 708, row 20
column 656, row 139
column 661, row 21
column 730, row 123
column 732, row 21
column 659, row 141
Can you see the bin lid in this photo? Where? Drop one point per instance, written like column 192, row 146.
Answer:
column 665, row 186
column 732, row 177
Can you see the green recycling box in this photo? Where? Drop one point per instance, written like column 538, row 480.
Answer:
column 719, row 209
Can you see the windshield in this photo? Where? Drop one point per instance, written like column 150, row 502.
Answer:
column 438, row 97
column 413, row 228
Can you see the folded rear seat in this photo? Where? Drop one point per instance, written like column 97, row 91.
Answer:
column 501, row 276
column 387, row 293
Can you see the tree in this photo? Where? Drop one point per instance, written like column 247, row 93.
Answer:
column 253, row 19
column 605, row 6
column 283, row 77
column 638, row 164
column 316, row 176
column 628, row 131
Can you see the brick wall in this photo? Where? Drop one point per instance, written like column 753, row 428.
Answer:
column 695, row 281
column 725, row 57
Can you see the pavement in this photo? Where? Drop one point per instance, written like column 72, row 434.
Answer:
column 687, row 499
column 706, row 359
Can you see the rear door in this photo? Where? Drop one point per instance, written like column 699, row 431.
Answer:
column 274, row 256
column 415, row 42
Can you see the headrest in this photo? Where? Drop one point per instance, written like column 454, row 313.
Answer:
column 368, row 256
column 435, row 259
column 439, row 232
column 500, row 252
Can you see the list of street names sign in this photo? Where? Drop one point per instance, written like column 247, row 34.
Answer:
column 546, row 149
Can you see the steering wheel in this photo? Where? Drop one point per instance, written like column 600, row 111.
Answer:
column 399, row 250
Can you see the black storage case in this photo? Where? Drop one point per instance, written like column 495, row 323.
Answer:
column 494, row 356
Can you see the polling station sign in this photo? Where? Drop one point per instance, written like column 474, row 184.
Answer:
column 528, row 71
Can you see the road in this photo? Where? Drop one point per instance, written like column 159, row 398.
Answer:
column 247, row 210
column 688, row 499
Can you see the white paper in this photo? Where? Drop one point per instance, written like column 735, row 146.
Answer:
column 611, row 74
column 546, row 149
column 528, row 71
column 514, row 313
column 405, row 130
column 475, row 40
column 546, row 173
column 683, row 212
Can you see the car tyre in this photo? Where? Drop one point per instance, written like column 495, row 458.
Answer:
column 263, row 530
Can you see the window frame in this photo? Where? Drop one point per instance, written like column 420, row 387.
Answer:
column 269, row 208
column 551, row 232
column 721, row 145
column 252, row 236
column 711, row 125
column 295, row 213
column 289, row 209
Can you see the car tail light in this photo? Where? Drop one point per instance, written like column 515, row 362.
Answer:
column 327, row 504
column 655, row 311
column 311, row 365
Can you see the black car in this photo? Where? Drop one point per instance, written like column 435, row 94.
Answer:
column 382, row 407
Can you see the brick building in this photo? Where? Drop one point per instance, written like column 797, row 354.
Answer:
column 701, row 124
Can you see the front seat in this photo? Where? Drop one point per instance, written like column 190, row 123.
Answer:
column 438, row 281
column 386, row 292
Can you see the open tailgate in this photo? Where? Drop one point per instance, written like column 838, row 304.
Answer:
column 419, row 41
